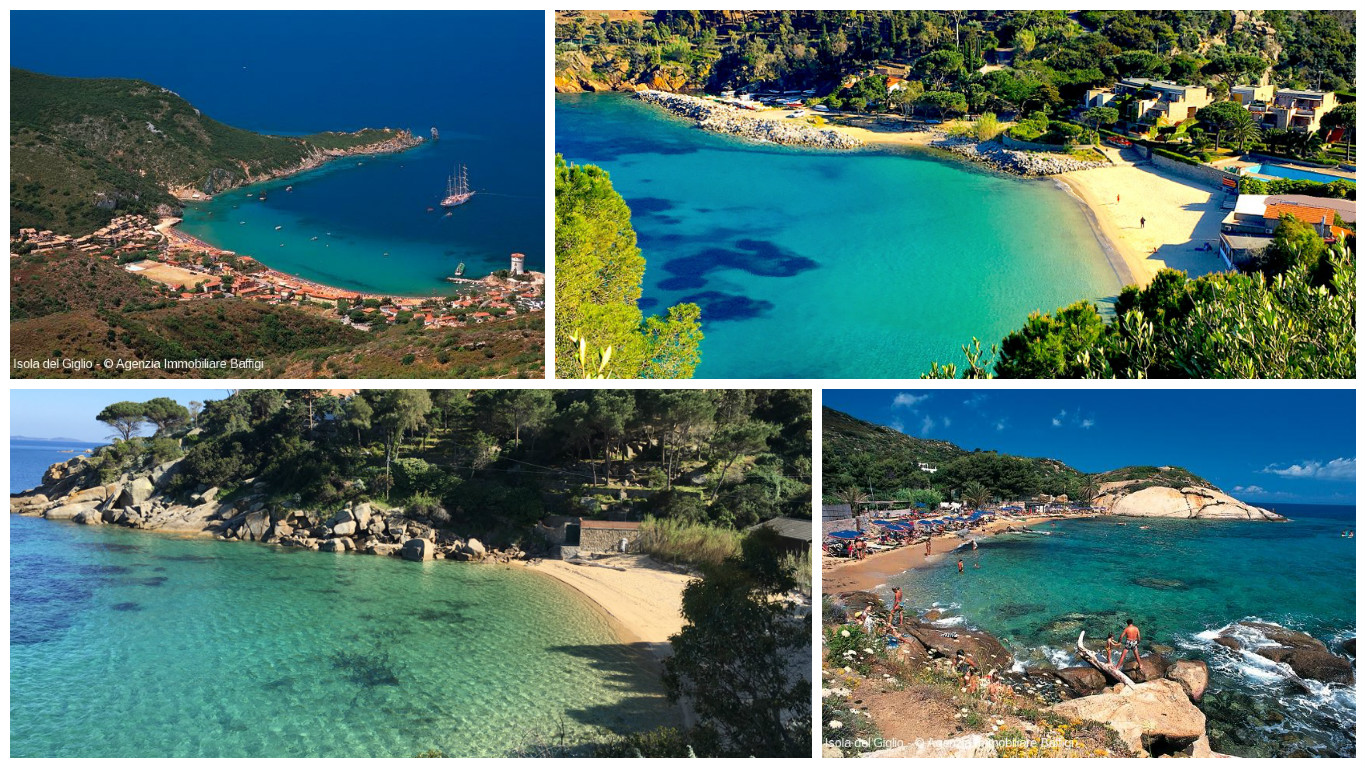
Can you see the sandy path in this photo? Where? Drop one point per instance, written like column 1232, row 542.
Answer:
column 1181, row 216
column 874, row 570
column 643, row 602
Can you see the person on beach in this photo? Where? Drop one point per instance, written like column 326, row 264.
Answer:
column 965, row 666
column 974, row 545
column 1131, row 636
column 1142, row 222
column 927, row 546
column 1110, row 645
column 897, row 615
column 960, row 565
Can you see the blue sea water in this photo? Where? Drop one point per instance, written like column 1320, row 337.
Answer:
column 134, row 644
column 868, row 264
column 476, row 76
column 1181, row 581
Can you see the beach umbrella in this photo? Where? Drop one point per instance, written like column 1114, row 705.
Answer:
column 844, row 535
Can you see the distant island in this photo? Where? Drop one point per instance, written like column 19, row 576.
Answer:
column 100, row 171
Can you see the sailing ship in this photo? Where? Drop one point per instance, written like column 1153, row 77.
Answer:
column 457, row 190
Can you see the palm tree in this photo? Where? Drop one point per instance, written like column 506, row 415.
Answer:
column 975, row 495
column 1090, row 489
column 1244, row 129
column 853, row 497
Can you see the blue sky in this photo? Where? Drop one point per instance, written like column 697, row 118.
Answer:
column 71, row 412
column 1262, row 446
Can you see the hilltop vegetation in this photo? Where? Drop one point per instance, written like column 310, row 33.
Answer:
column 1055, row 55
column 83, row 151
column 877, row 462
column 80, row 307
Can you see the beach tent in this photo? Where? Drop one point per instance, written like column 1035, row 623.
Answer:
column 844, row 535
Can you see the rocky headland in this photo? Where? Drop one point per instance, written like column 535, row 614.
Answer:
column 146, row 500
column 1013, row 161
column 719, row 118
column 1189, row 502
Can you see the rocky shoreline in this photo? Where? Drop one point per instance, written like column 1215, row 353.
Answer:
column 1161, row 715
column 1013, row 161
column 145, row 500
column 720, row 118
column 217, row 182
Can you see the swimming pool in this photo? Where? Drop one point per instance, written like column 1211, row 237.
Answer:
column 1286, row 172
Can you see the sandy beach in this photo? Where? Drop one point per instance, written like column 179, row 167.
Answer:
column 1181, row 217
column 873, row 571
column 643, row 600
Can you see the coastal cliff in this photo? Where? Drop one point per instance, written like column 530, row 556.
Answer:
column 144, row 499
column 1192, row 502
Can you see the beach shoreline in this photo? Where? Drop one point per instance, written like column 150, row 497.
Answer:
column 873, row 571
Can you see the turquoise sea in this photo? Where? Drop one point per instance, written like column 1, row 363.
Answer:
column 1181, row 581
column 868, row 264
column 130, row 644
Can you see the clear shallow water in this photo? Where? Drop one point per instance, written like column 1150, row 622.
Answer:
column 128, row 644
column 477, row 76
column 1181, row 581
column 811, row 264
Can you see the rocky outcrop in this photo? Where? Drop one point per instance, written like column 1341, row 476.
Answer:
column 1309, row 657
column 1083, row 681
column 1191, row 502
column 985, row 649
column 1155, row 718
column 148, row 499
column 1014, row 161
column 719, row 118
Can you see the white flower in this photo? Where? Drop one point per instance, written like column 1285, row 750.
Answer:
column 835, row 725
column 868, row 650
column 844, row 633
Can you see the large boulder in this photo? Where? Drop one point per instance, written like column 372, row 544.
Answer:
column 136, row 492
column 362, row 513
column 984, row 649
column 69, row 511
column 162, row 474
column 344, row 528
column 1192, row 675
column 1150, row 667
column 254, row 525
column 89, row 517
column 28, row 505
column 333, row 545
column 418, row 550
column 1190, row 502
column 1155, row 717
column 1083, row 681
column 474, row 548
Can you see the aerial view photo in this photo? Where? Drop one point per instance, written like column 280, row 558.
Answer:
column 243, row 194
column 1019, row 194
column 1068, row 573
column 410, row 573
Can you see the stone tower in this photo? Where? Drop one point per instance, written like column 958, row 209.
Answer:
column 518, row 264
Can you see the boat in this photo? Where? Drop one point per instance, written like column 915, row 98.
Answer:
column 460, row 269
column 289, row 188
column 279, row 227
column 457, row 189
column 315, row 237
column 436, row 135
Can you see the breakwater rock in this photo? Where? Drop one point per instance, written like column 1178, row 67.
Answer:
column 1014, row 161
column 711, row 116
column 152, row 499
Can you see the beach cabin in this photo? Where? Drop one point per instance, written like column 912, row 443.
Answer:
column 794, row 534
column 606, row 536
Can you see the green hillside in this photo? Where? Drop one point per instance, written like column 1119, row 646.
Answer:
column 83, row 151
column 882, row 462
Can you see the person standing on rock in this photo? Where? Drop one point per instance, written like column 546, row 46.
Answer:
column 1131, row 636
column 1110, row 645
column 897, row 617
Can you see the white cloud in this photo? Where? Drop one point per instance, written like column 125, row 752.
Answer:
column 1001, row 425
column 976, row 400
column 926, row 425
column 898, row 425
column 1337, row 469
column 947, row 422
column 1248, row 489
column 1057, row 422
column 908, row 400
column 1088, row 423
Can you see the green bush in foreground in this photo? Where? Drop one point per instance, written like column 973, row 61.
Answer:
column 1299, row 323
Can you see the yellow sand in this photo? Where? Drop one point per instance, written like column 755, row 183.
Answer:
column 180, row 279
column 1181, row 216
column 644, row 601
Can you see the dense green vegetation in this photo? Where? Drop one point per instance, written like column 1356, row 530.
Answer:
column 70, row 305
column 83, row 151
column 861, row 461
column 1292, row 316
column 600, row 332
column 496, row 461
